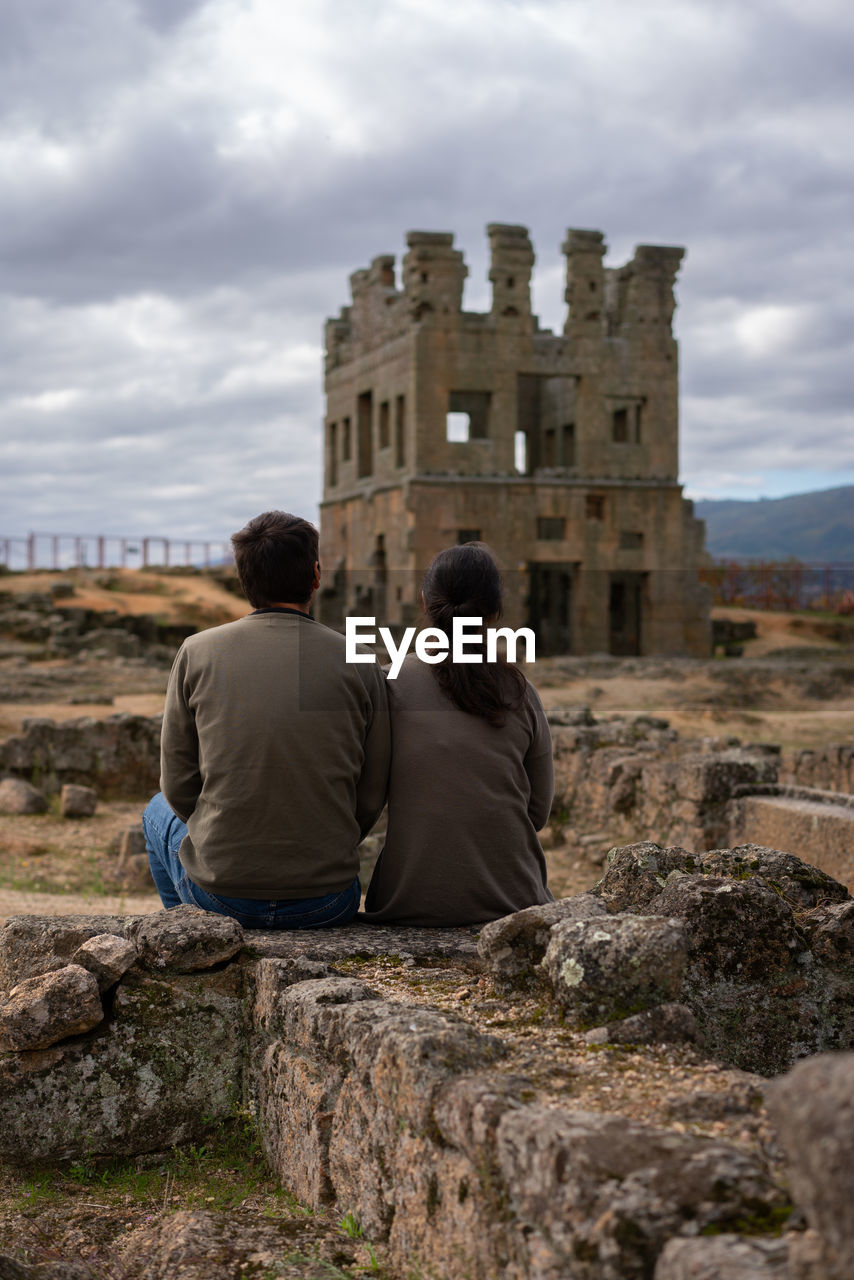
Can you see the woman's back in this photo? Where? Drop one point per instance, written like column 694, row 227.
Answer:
column 466, row 799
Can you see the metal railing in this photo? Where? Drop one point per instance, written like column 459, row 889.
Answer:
column 102, row 551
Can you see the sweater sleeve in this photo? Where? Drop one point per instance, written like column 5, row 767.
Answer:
column 539, row 765
column 372, row 786
column 180, row 778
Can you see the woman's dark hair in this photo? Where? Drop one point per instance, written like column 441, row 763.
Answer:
column 464, row 582
column 275, row 555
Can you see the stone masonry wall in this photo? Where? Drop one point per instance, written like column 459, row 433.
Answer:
column 408, row 1116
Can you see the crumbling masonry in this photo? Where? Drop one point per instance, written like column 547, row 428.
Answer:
column 559, row 451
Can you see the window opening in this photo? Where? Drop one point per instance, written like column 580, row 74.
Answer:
column 332, row 453
column 346, row 440
column 520, row 452
column 366, row 426
column 400, row 430
column 630, row 540
column 458, row 428
column 467, row 535
column 385, row 416
column 551, row 528
column 568, row 442
column 595, row 506
column 621, row 426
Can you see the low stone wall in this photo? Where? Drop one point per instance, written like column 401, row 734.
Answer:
column 118, row 756
column 817, row 826
column 414, row 1119
column 827, row 768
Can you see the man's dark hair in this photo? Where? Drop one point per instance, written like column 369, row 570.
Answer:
column 275, row 557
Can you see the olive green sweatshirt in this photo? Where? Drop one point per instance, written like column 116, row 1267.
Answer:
column 275, row 752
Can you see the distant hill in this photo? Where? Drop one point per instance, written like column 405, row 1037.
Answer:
column 804, row 526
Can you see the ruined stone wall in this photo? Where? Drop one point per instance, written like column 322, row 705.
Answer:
column 128, row 1035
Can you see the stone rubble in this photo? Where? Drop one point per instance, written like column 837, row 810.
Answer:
column 76, row 801
column 18, row 796
column 41, row 1011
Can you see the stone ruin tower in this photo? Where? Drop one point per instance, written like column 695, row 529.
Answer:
column 558, row 450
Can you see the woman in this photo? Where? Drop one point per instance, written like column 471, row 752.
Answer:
column 471, row 774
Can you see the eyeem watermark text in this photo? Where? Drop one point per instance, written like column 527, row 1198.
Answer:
column 432, row 644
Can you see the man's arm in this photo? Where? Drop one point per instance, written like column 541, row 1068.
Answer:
column 180, row 779
column 372, row 786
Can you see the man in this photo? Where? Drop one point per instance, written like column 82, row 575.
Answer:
column 274, row 754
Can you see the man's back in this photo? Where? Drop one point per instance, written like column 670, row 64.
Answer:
column 275, row 752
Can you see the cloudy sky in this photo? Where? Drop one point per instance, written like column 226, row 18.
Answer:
column 186, row 185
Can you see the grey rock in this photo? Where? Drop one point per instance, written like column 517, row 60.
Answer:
column 32, row 945
column 185, row 939
column 512, row 946
column 17, row 796
column 41, row 1011
column 131, row 842
column 601, row 1195
column 724, row 1257
column 67, row 1269
column 615, row 966
column 107, row 957
column 167, row 1066
column 799, row 883
column 360, row 938
column 77, row 802
column 813, row 1110
column 200, row 1245
column 663, row 1024
column 830, row 930
column 736, row 928
column 636, row 874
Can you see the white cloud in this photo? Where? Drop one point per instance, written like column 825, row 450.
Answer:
column 188, row 184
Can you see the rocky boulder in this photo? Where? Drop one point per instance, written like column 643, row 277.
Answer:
column 813, row 1109
column 185, row 939
column 18, row 796
column 77, row 802
column 513, row 946
column 609, row 968
column 107, row 957
column 42, row 1011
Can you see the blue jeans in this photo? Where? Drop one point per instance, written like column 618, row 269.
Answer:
column 164, row 832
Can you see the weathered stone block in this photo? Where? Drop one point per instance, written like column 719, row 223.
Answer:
column 830, row 930
column 597, row 1196
column 663, row 1024
column 18, row 796
column 185, row 939
column 165, row 1066
column 735, row 928
column 512, row 946
column 724, row 1257
column 30, row 945
column 616, row 966
column 77, row 802
column 42, row 1011
column 813, row 1110
column 107, row 957
column 637, row 873
column 801, row 884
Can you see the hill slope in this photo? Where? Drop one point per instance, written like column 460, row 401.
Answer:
column 806, row 526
